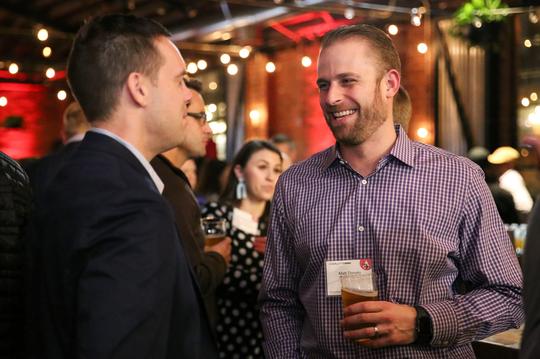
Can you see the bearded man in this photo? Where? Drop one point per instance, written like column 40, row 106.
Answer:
column 418, row 219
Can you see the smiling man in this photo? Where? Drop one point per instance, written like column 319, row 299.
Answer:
column 419, row 219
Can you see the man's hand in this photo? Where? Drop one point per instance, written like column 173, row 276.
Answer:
column 395, row 323
column 223, row 248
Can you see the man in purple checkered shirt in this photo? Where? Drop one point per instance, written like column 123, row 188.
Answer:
column 425, row 217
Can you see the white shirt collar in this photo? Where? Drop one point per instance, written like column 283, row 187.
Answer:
column 157, row 181
column 75, row 138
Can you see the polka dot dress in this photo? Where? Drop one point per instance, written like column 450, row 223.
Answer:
column 239, row 330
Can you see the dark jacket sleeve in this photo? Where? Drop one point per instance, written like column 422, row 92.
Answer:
column 210, row 272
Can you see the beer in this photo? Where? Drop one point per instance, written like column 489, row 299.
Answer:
column 350, row 296
column 212, row 239
column 214, row 230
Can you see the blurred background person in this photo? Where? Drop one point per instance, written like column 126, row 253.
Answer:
column 15, row 204
column 212, row 180
column 530, row 343
column 74, row 127
column 190, row 170
column 209, row 266
column 286, row 145
column 503, row 199
column 504, row 159
column 402, row 109
column 245, row 206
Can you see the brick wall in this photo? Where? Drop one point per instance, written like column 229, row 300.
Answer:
column 41, row 112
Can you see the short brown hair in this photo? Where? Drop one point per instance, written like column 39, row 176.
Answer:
column 105, row 51
column 378, row 39
column 402, row 109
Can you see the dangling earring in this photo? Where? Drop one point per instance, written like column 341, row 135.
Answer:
column 241, row 191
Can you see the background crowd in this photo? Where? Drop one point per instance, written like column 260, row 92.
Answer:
column 117, row 265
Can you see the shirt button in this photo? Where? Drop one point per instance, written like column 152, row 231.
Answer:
column 361, row 228
column 364, row 181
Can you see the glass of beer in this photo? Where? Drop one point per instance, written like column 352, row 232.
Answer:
column 214, row 229
column 357, row 288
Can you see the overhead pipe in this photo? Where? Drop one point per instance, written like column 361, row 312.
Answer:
column 238, row 21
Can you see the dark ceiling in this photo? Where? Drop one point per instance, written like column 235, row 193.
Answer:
column 197, row 25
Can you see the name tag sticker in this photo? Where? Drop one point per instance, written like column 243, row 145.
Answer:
column 336, row 269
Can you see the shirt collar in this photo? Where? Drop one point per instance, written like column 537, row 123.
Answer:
column 403, row 150
column 153, row 175
column 75, row 138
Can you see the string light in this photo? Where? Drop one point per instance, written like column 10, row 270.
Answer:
column 213, row 85
column 47, row 51
column 477, row 23
column 534, row 96
column 192, row 68
column 232, row 69
column 225, row 59
column 422, row 48
column 201, row 64
column 527, row 43
column 50, row 73
column 306, row 61
column 244, row 52
column 212, row 107
column 393, row 30
column 13, row 68
column 533, row 18
column 525, row 102
column 3, row 101
column 255, row 117
column 42, row 34
column 416, row 17
column 61, row 95
column 422, row 133
column 349, row 13
column 270, row 67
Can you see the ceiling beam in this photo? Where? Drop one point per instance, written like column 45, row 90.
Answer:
column 23, row 11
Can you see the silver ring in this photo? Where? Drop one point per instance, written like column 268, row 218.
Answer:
column 376, row 330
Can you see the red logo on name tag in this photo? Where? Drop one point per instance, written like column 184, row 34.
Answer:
column 365, row 264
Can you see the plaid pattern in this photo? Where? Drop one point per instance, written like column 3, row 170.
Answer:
column 428, row 221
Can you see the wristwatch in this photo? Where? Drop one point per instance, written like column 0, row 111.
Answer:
column 424, row 327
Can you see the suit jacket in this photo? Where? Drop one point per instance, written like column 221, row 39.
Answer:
column 530, row 343
column 209, row 267
column 43, row 171
column 112, row 277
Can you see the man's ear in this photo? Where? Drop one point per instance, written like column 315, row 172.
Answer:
column 137, row 87
column 392, row 81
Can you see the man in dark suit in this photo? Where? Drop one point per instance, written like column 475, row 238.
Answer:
column 113, row 278
column 210, row 265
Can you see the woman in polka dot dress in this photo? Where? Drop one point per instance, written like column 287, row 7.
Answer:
column 245, row 205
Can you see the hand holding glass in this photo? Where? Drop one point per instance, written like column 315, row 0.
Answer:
column 214, row 229
column 357, row 288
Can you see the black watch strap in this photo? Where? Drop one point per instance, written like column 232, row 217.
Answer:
column 424, row 327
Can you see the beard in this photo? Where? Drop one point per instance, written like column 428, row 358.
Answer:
column 368, row 120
